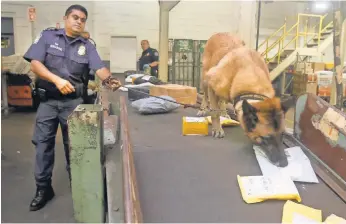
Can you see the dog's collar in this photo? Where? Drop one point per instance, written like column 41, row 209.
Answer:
column 248, row 96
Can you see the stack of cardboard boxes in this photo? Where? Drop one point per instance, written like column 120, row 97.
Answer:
column 305, row 79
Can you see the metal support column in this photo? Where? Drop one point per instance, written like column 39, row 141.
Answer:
column 165, row 7
column 283, row 83
column 258, row 22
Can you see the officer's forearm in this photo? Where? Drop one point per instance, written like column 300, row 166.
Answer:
column 39, row 69
column 103, row 73
column 155, row 63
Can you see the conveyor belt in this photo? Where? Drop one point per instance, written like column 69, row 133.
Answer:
column 193, row 179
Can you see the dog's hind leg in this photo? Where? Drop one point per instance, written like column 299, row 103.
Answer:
column 223, row 108
column 217, row 130
column 205, row 102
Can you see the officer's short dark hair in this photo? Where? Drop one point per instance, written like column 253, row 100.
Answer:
column 76, row 7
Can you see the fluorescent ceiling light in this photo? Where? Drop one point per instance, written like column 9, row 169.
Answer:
column 321, row 5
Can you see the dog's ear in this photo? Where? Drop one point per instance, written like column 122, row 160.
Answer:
column 249, row 116
column 288, row 103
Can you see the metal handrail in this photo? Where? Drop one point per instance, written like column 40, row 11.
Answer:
column 280, row 40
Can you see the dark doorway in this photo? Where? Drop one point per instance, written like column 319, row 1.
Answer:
column 7, row 36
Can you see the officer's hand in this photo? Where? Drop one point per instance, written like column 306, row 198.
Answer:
column 111, row 83
column 64, row 86
column 115, row 84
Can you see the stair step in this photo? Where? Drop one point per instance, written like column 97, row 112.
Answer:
column 312, row 45
column 316, row 38
column 287, row 52
column 272, row 65
column 327, row 32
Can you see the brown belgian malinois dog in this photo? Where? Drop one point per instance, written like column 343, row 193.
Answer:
column 234, row 73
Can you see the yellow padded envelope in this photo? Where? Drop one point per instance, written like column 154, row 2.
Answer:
column 225, row 122
column 256, row 189
column 333, row 219
column 298, row 213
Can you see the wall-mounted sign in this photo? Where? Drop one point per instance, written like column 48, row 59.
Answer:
column 32, row 14
column 5, row 42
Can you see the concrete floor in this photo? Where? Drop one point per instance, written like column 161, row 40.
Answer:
column 181, row 179
column 17, row 178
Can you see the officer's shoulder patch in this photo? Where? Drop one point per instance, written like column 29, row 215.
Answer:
column 156, row 53
column 38, row 38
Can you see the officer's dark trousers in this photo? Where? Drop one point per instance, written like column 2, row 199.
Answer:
column 49, row 115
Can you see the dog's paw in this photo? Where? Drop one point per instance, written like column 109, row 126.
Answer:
column 219, row 133
column 202, row 113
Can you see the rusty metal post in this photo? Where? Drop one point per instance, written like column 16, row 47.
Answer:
column 85, row 129
column 337, row 86
column 133, row 213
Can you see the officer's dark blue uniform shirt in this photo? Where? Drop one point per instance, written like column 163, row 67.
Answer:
column 64, row 56
column 148, row 56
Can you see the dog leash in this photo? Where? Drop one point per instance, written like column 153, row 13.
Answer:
column 182, row 104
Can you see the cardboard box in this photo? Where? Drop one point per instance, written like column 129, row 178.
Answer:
column 318, row 66
column 324, row 90
column 304, row 67
column 309, row 71
column 195, row 126
column 182, row 94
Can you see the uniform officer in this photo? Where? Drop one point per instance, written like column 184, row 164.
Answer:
column 150, row 57
column 60, row 58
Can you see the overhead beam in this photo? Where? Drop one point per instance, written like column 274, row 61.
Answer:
column 165, row 7
column 168, row 5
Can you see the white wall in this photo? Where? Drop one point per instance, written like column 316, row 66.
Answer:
column 48, row 14
column 189, row 19
column 120, row 18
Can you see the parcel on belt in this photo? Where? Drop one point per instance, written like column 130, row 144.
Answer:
column 225, row 122
column 195, row 126
column 333, row 219
column 182, row 94
column 256, row 189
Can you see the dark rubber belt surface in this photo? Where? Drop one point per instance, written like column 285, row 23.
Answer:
column 194, row 179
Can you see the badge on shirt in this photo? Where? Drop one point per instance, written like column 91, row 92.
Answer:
column 81, row 50
column 38, row 38
column 148, row 54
